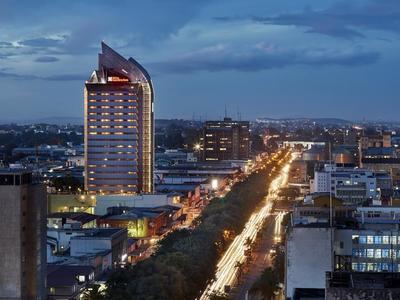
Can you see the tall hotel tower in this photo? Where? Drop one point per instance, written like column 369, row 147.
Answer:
column 119, row 127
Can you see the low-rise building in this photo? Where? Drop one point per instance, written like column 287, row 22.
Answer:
column 70, row 203
column 68, row 282
column 140, row 222
column 71, row 220
column 103, row 202
column 69, row 245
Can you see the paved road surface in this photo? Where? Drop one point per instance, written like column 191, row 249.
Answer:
column 261, row 261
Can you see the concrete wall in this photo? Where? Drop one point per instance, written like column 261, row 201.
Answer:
column 63, row 237
column 343, row 244
column 10, row 240
column 308, row 257
column 82, row 246
column 22, row 241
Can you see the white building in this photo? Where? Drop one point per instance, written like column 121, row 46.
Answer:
column 308, row 257
column 352, row 185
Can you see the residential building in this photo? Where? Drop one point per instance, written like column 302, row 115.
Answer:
column 119, row 127
column 225, row 140
column 22, row 239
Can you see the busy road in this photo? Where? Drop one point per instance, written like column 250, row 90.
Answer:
column 226, row 272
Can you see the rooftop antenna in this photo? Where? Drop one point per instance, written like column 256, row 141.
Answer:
column 238, row 113
column 226, row 114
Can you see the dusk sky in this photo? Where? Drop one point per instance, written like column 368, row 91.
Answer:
column 264, row 58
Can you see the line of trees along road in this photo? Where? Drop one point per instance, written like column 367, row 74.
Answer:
column 186, row 259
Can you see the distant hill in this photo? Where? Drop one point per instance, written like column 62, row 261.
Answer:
column 79, row 121
column 321, row 121
column 48, row 120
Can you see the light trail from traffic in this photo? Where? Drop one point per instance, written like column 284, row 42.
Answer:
column 278, row 222
column 226, row 273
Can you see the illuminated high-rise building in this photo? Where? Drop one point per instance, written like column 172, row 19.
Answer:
column 119, row 127
column 225, row 140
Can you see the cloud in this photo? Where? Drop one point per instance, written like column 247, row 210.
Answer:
column 343, row 19
column 66, row 77
column 43, row 42
column 262, row 56
column 46, row 59
column 4, row 73
column 6, row 45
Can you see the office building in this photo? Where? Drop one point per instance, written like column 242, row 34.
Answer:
column 119, row 127
column 225, row 140
column 352, row 185
column 377, row 140
column 23, row 236
column 362, row 239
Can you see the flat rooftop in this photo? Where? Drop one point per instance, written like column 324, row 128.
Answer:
column 91, row 232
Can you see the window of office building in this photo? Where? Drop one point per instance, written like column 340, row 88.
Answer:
column 385, row 253
column 370, row 239
column 370, row 253
column 378, row 253
column 377, row 239
column 371, row 267
column 363, row 239
column 385, row 239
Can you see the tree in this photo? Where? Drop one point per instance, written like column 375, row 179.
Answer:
column 267, row 284
column 218, row 296
column 239, row 267
column 93, row 293
column 67, row 184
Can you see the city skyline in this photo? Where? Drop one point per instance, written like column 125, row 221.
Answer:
column 186, row 149
column 314, row 58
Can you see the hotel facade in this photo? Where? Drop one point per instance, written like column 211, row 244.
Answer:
column 119, row 127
